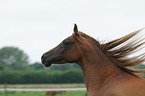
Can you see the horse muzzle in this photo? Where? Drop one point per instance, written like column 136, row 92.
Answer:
column 46, row 61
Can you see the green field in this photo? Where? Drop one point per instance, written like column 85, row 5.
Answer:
column 68, row 93
column 38, row 93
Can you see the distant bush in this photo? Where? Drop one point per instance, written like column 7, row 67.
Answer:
column 41, row 77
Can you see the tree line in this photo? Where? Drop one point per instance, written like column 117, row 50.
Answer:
column 41, row 77
column 15, row 68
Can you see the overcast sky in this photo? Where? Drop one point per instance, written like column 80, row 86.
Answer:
column 36, row 26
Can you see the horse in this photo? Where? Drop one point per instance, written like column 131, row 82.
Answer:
column 106, row 67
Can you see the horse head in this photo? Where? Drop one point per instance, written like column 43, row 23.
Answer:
column 68, row 51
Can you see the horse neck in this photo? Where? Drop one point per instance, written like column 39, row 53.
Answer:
column 97, row 69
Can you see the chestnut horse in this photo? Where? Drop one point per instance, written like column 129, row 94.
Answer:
column 105, row 66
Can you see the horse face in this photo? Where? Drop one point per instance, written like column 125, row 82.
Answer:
column 65, row 52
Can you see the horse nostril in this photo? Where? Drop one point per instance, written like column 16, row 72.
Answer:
column 43, row 57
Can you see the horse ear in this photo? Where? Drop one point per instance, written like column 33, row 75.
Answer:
column 76, row 30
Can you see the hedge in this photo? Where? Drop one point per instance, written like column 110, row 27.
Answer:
column 41, row 77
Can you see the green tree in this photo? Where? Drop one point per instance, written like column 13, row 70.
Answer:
column 2, row 64
column 13, row 58
column 36, row 66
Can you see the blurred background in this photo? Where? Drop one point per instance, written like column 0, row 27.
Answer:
column 28, row 28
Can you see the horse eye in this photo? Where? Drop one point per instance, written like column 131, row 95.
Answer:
column 66, row 42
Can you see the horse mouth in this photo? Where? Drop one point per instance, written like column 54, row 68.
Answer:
column 47, row 64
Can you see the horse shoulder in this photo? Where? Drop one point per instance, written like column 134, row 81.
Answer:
column 131, row 87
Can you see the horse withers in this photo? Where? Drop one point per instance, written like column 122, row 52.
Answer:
column 105, row 66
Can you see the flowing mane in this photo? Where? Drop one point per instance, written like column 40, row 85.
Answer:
column 118, row 54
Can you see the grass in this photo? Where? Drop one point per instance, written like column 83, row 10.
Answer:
column 39, row 93
column 24, row 93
